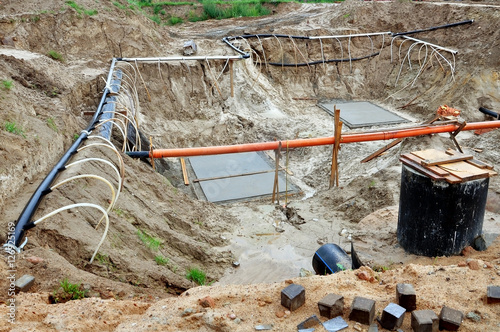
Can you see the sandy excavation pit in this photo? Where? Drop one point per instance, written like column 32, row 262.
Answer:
column 183, row 107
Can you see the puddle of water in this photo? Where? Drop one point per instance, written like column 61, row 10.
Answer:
column 265, row 263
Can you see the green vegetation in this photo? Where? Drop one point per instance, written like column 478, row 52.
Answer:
column 75, row 137
column 69, row 292
column 7, row 85
column 55, row 55
column 381, row 268
column 150, row 241
column 52, row 125
column 11, row 127
column 119, row 212
column 119, row 5
column 75, row 6
column 196, row 275
column 212, row 9
column 156, row 19
column 80, row 10
column 160, row 260
column 90, row 12
column 174, row 20
column 340, row 267
column 106, row 261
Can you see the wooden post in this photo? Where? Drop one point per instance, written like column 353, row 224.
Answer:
column 334, row 173
column 276, row 190
column 151, row 153
column 231, row 75
column 184, row 172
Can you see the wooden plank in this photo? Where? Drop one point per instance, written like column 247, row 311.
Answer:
column 382, row 150
column 413, row 161
column 234, row 175
column 434, row 157
column 393, row 143
column 475, row 162
column 448, row 160
column 419, row 168
column 334, row 172
column 465, row 171
column 231, row 75
column 184, row 172
column 435, row 169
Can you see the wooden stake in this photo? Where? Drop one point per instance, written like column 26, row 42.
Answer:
column 151, row 152
column 235, row 175
column 231, row 75
column 392, row 144
column 184, row 172
column 276, row 191
column 336, row 145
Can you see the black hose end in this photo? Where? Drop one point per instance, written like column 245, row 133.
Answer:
column 29, row 225
column 489, row 112
column 138, row 154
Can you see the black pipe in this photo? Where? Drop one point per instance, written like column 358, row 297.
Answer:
column 432, row 28
column 330, row 258
column 489, row 112
column 24, row 223
column 318, row 62
column 246, row 55
column 138, row 154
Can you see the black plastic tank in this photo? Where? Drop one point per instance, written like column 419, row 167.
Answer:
column 438, row 218
column 330, row 258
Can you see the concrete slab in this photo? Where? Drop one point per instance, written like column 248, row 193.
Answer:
column 230, row 177
column 335, row 324
column 355, row 114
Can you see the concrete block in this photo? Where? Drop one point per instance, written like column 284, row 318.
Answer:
column 450, row 319
column 331, row 306
column 362, row 310
column 392, row 316
column 24, row 283
column 493, row 294
column 424, row 321
column 293, row 296
column 405, row 294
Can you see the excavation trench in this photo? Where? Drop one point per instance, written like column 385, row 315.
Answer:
column 231, row 105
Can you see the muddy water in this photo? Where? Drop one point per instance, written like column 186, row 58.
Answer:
column 267, row 255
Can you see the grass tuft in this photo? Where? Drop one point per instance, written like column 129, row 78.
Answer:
column 174, row 20
column 7, row 85
column 69, row 292
column 160, row 260
column 11, row 127
column 150, row 241
column 52, row 125
column 196, row 275
column 55, row 55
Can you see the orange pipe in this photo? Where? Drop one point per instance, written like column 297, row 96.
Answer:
column 298, row 143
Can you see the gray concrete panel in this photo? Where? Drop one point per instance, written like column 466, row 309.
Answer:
column 362, row 114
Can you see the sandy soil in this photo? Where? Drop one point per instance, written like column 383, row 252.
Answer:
column 127, row 289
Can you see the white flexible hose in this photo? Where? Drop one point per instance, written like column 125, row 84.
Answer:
column 119, row 128
column 106, row 162
column 112, row 147
column 94, row 177
column 133, row 123
column 67, row 207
